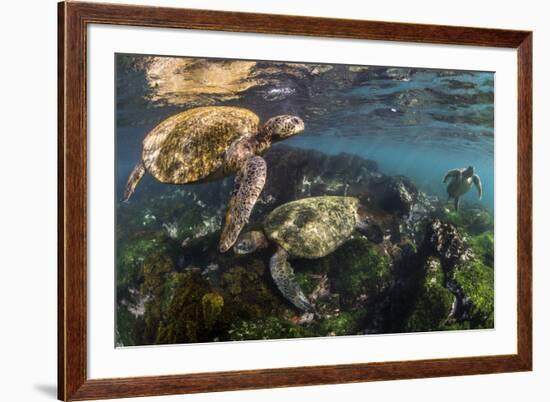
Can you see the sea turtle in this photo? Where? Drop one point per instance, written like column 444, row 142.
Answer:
column 206, row 143
column 308, row 228
column 461, row 181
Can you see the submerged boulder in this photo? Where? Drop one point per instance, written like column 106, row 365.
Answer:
column 395, row 194
column 249, row 296
column 484, row 247
column 154, row 289
column 296, row 173
column 472, row 219
column 476, row 283
column 212, row 307
column 467, row 265
column 434, row 303
column 442, row 240
column 132, row 252
column 193, row 311
column 359, row 273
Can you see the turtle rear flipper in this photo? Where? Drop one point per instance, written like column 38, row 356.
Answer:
column 283, row 276
column 457, row 203
column 133, row 180
column 249, row 183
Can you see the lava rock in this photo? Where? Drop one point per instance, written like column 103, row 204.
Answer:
column 395, row 194
column 476, row 283
column 434, row 303
column 443, row 240
column 295, row 173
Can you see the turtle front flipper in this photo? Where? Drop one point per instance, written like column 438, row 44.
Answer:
column 133, row 180
column 451, row 173
column 283, row 276
column 249, row 183
column 477, row 183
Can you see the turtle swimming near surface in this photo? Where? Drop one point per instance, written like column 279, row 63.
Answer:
column 460, row 182
column 308, row 228
column 206, row 143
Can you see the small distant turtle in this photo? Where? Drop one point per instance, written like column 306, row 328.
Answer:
column 206, row 143
column 308, row 228
column 461, row 181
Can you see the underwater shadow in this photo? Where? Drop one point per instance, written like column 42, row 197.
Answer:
column 47, row 389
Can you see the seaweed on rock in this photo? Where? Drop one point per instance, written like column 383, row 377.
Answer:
column 484, row 247
column 472, row 220
column 266, row 328
column 342, row 323
column 249, row 296
column 131, row 255
column 193, row 312
column 358, row 272
column 155, row 271
column 434, row 302
column 476, row 280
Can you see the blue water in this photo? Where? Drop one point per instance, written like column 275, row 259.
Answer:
column 419, row 123
column 409, row 140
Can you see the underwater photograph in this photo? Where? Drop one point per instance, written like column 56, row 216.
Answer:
column 260, row 200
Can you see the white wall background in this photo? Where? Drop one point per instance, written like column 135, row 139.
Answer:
column 28, row 199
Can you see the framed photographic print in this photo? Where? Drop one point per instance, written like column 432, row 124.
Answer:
column 253, row 201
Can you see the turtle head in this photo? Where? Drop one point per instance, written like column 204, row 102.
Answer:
column 250, row 242
column 367, row 218
column 469, row 172
column 283, row 126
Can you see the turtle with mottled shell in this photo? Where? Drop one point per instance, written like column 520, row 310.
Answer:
column 460, row 182
column 308, row 228
column 207, row 143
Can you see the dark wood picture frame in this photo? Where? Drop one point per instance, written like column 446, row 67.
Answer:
column 73, row 382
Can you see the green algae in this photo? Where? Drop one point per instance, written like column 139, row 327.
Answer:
column 358, row 270
column 344, row 323
column 155, row 270
column 434, row 301
column 305, row 281
column 267, row 328
column 131, row 255
column 189, row 319
column 484, row 247
column 212, row 307
column 474, row 221
column 125, row 324
column 476, row 281
column 247, row 293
